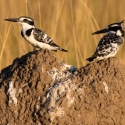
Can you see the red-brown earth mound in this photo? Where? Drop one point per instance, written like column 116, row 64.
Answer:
column 37, row 89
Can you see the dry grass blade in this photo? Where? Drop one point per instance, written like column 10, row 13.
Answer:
column 31, row 9
column 74, row 35
column 59, row 8
column 90, row 13
column 39, row 12
column 3, row 47
column 26, row 8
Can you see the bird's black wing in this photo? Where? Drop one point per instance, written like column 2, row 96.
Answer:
column 43, row 37
column 105, row 44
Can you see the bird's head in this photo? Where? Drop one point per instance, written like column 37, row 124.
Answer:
column 115, row 28
column 26, row 22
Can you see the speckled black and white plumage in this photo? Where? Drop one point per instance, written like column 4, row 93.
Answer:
column 110, row 43
column 36, row 37
column 42, row 37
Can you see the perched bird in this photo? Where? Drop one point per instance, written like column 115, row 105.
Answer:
column 36, row 37
column 110, row 43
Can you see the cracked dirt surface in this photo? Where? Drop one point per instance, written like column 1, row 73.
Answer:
column 38, row 89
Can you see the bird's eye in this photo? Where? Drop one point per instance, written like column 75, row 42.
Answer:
column 115, row 28
column 25, row 20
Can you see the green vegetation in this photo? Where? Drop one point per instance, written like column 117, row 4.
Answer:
column 68, row 22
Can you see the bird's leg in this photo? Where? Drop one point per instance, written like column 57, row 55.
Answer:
column 34, row 48
column 40, row 49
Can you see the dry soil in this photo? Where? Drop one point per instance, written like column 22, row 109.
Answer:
column 38, row 89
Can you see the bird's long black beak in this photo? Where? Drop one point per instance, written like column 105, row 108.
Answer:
column 12, row 19
column 100, row 31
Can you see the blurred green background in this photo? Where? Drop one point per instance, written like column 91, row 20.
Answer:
column 68, row 22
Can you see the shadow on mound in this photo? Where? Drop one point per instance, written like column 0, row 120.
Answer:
column 38, row 89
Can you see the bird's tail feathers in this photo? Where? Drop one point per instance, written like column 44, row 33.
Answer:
column 61, row 49
column 54, row 50
column 90, row 59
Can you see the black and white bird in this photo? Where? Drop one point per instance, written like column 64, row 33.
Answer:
column 110, row 43
column 36, row 37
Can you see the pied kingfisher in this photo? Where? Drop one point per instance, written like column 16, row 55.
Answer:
column 110, row 43
column 36, row 37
